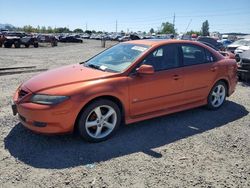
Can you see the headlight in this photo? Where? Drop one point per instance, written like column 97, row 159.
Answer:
column 48, row 99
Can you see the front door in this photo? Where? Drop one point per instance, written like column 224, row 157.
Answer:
column 161, row 90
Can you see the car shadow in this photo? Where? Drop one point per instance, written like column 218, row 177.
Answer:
column 58, row 152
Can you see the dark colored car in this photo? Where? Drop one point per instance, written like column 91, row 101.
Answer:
column 70, row 39
column 129, row 37
column 227, row 54
column 18, row 38
column 47, row 39
column 244, row 66
column 212, row 41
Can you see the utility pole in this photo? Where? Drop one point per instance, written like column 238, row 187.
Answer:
column 116, row 26
column 174, row 22
column 86, row 26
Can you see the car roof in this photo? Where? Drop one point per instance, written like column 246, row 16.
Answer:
column 159, row 42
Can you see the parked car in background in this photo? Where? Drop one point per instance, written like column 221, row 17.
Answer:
column 244, row 65
column 238, row 47
column 227, row 54
column 2, row 38
column 129, row 82
column 212, row 41
column 226, row 42
column 45, row 38
column 239, row 43
column 17, row 39
column 70, row 39
column 129, row 37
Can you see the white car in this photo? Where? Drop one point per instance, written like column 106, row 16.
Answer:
column 242, row 49
column 239, row 46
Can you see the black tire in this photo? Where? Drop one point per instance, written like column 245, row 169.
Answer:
column 86, row 114
column 27, row 45
column 1, row 45
column 7, row 45
column 35, row 45
column 17, row 44
column 211, row 98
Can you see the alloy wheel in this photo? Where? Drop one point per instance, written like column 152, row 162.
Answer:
column 101, row 121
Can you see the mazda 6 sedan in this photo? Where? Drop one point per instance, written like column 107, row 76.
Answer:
column 129, row 82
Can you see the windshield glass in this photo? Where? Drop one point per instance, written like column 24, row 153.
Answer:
column 242, row 42
column 117, row 58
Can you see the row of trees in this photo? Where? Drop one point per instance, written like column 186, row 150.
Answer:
column 49, row 29
column 168, row 28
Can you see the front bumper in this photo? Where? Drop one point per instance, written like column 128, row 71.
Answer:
column 47, row 119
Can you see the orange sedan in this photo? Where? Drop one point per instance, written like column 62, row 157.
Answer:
column 128, row 82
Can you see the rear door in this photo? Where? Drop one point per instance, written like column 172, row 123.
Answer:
column 200, row 69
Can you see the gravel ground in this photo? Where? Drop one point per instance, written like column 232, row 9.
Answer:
column 194, row 148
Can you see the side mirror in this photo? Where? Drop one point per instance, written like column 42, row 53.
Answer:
column 145, row 69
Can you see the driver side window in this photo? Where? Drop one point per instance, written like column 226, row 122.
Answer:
column 163, row 58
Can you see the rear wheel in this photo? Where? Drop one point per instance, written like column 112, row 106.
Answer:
column 99, row 120
column 35, row 45
column 7, row 45
column 17, row 44
column 217, row 96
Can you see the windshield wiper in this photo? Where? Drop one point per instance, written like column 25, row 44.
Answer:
column 99, row 67
column 93, row 66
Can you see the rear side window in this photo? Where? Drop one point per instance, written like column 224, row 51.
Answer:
column 193, row 55
column 163, row 58
column 209, row 57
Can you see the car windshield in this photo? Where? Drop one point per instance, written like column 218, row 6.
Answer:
column 242, row 42
column 117, row 58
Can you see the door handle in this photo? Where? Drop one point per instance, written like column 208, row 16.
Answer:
column 213, row 69
column 176, row 77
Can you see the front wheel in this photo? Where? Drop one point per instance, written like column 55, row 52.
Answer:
column 217, row 96
column 99, row 120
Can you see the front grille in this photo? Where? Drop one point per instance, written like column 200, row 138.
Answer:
column 22, row 93
column 246, row 61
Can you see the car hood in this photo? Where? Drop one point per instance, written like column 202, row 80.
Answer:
column 63, row 76
column 243, row 48
column 233, row 45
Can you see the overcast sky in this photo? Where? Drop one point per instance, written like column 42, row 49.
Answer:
column 132, row 15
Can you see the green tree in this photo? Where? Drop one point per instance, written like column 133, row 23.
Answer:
column 198, row 33
column 151, row 30
column 38, row 29
column 88, row 31
column 28, row 28
column 43, row 29
column 167, row 28
column 78, row 30
column 205, row 28
column 62, row 30
column 49, row 29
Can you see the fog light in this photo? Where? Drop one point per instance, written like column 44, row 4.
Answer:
column 39, row 124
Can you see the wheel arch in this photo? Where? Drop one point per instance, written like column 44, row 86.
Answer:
column 226, row 82
column 108, row 97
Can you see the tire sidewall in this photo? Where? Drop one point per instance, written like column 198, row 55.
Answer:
column 209, row 98
column 85, row 113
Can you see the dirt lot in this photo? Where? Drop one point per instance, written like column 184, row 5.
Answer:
column 195, row 148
